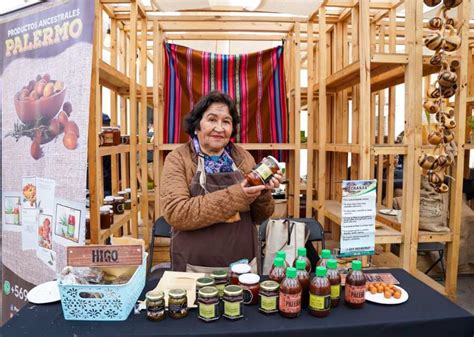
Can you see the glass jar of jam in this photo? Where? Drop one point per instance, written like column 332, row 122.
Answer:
column 237, row 270
column 208, row 304
column 116, row 136
column 268, row 297
column 335, row 281
column 201, row 283
column 277, row 273
column 303, row 276
column 125, row 139
column 263, row 172
column 123, row 194
column 88, row 225
column 289, row 300
column 119, row 205
column 107, row 136
column 105, row 218
column 249, row 283
column 221, row 280
column 233, row 302
column 128, row 205
column 320, row 294
column 354, row 292
column 302, row 256
column 109, row 201
column 177, row 303
column 155, row 305
column 111, row 213
column 325, row 256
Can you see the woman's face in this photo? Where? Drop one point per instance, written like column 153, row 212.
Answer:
column 215, row 129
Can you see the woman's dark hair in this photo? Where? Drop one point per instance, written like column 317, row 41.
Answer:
column 194, row 117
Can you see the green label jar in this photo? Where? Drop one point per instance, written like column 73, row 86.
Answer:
column 221, row 280
column 208, row 304
column 233, row 302
column 177, row 303
column 268, row 297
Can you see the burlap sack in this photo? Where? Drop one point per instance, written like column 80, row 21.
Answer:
column 433, row 208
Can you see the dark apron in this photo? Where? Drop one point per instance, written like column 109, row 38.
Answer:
column 220, row 244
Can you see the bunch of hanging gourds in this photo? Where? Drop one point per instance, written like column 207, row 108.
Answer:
column 443, row 41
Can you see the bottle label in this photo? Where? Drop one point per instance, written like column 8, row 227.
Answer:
column 108, row 138
column 220, row 289
column 290, row 303
column 335, row 291
column 232, row 309
column 263, row 171
column 354, row 294
column 248, row 296
column 268, row 304
column 319, row 303
column 207, row 311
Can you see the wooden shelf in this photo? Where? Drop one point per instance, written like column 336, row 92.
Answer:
column 346, row 148
column 470, row 100
column 119, row 221
column 383, row 233
column 389, row 149
column 110, row 150
column 247, row 146
column 423, row 236
column 386, row 70
column 468, row 146
column 112, row 78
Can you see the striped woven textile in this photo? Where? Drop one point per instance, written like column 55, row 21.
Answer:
column 256, row 81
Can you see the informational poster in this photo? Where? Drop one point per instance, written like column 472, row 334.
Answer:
column 358, row 217
column 45, row 72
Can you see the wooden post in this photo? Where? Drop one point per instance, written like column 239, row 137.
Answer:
column 355, row 39
column 158, row 112
column 124, row 164
column 297, row 115
column 94, row 123
column 456, row 186
column 322, row 111
column 114, row 167
column 132, row 60
column 143, row 130
column 310, row 141
column 413, row 109
column 391, row 113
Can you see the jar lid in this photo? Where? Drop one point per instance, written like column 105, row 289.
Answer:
column 119, row 198
column 326, row 254
column 109, row 198
column 281, row 254
column 290, row 272
column 321, row 271
column 204, row 281
column 155, row 295
column 331, row 264
column 356, row 265
column 104, row 209
column 177, row 293
column 219, row 274
column 241, row 268
column 109, row 207
column 301, row 251
column 122, row 193
column 300, row 264
column 128, row 201
column 249, row 278
column 233, row 290
column 128, row 190
column 269, row 285
column 275, row 161
column 208, row 292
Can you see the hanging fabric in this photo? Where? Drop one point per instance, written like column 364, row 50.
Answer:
column 256, row 81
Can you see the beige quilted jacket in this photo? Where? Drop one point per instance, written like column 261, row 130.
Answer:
column 184, row 212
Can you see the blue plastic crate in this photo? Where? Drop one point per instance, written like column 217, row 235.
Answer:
column 115, row 303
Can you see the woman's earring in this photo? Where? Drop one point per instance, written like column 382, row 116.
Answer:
column 195, row 132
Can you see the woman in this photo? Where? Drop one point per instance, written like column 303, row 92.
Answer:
column 205, row 198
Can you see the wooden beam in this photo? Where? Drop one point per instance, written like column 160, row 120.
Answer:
column 297, row 154
column 225, row 26
column 158, row 112
column 224, row 36
column 224, row 16
column 113, row 105
column 310, row 109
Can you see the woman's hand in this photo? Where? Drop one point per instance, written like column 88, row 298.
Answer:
column 252, row 192
column 275, row 182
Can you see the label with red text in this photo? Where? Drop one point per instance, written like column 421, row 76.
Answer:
column 290, row 303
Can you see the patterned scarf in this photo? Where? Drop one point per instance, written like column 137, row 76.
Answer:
column 215, row 164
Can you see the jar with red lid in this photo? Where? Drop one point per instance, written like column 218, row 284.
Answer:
column 250, row 284
column 237, row 270
column 263, row 172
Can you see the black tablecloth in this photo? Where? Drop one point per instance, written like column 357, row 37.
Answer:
column 426, row 313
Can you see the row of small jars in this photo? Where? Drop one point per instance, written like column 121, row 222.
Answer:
column 111, row 136
column 114, row 205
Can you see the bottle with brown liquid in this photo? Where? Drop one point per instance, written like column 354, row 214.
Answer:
column 277, row 273
column 303, row 276
column 325, row 256
column 281, row 254
column 354, row 294
column 320, row 294
column 289, row 302
column 335, row 281
column 302, row 256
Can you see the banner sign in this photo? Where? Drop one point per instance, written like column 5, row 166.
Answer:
column 358, row 217
column 45, row 73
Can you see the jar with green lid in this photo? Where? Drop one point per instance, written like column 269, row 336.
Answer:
column 155, row 305
column 268, row 297
column 233, row 302
column 221, row 280
column 177, row 303
column 201, row 283
column 208, row 304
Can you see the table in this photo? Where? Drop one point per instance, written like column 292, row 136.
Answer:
column 427, row 313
